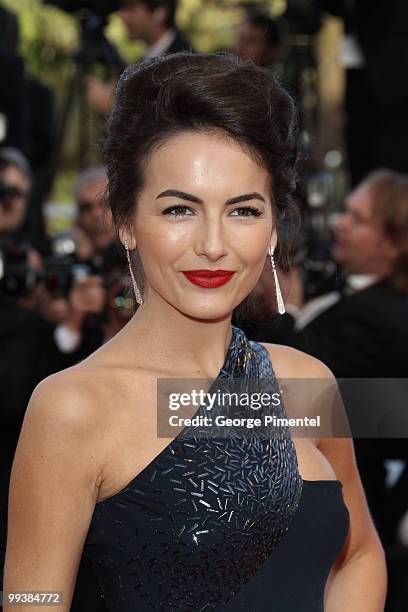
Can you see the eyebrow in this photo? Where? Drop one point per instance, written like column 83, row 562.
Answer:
column 191, row 198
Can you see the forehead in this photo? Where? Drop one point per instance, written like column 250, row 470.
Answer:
column 207, row 162
column 135, row 5
column 15, row 176
column 359, row 200
column 252, row 31
column 92, row 189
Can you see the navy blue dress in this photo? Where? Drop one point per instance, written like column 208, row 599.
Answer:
column 221, row 523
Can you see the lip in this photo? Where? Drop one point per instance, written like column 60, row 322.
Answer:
column 208, row 278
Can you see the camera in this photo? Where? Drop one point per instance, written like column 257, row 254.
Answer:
column 17, row 278
column 60, row 271
column 94, row 47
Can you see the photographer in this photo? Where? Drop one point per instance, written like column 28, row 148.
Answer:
column 93, row 238
column 94, row 220
column 15, row 187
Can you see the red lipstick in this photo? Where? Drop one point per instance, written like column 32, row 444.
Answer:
column 208, row 278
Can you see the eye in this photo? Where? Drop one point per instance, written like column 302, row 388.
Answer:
column 247, row 211
column 180, row 209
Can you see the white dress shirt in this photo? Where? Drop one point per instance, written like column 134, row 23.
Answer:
column 354, row 282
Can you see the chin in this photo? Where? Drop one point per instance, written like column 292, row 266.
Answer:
column 207, row 312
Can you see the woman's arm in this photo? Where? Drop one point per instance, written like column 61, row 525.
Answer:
column 358, row 580
column 53, row 489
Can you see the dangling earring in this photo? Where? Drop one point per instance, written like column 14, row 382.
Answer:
column 279, row 298
column 138, row 295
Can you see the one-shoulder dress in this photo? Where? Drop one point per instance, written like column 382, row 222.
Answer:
column 220, row 523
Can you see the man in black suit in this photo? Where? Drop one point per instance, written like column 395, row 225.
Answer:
column 364, row 333
column 361, row 329
column 151, row 21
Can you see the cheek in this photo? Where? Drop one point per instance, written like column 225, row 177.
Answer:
column 252, row 253
column 20, row 206
column 165, row 242
column 364, row 246
column 84, row 221
column 160, row 250
column 250, row 242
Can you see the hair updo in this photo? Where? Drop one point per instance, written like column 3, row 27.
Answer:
column 160, row 97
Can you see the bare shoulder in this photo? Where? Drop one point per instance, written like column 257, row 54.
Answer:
column 289, row 362
column 78, row 406
column 68, row 397
column 81, row 394
column 90, row 406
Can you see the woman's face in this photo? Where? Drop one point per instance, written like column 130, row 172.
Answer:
column 205, row 205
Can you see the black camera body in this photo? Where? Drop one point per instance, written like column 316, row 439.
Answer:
column 17, row 278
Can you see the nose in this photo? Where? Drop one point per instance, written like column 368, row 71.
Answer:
column 211, row 240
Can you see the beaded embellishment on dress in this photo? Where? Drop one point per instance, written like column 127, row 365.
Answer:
column 199, row 521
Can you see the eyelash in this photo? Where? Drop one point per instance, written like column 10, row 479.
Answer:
column 255, row 212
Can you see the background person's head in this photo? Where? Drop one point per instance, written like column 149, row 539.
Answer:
column 372, row 235
column 258, row 38
column 93, row 217
column 15, row 189
column 182, row 123
column 147, row 20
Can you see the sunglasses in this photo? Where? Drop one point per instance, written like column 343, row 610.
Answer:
column 11, row 192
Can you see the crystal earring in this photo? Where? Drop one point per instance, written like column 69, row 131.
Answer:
column 279, row 298
column 138, row 295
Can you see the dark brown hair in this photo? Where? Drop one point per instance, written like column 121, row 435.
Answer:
column 152, row 5
column 164, row 96
column 389, row 205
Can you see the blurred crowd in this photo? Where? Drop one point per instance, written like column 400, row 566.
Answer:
column 61, row 297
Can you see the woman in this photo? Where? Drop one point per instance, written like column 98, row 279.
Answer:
column 201, row 155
